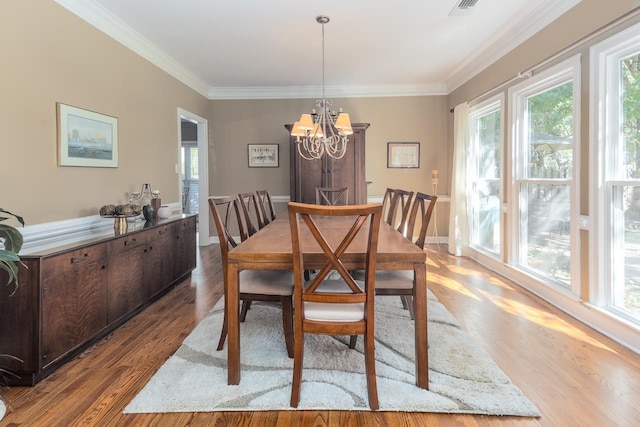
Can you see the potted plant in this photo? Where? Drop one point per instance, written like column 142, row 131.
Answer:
column 11, row 240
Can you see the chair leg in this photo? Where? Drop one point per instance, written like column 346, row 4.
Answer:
column 287, row 324
column 408, row 301
column 298, row 354
column 246, row 305
column 353, row 341
column 404, row 302
column 223, row 333
column 370, row 363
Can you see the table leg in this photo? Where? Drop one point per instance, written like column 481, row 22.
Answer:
column 420, row 315
column 233, row 338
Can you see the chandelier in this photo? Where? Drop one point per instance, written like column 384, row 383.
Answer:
column 322, row 131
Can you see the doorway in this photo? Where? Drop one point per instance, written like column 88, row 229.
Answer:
column 193, row 170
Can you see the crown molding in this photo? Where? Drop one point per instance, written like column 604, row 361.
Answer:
column 95, row 14
column 298, row 92
column 508, row 39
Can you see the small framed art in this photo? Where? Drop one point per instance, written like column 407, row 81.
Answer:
column 263, row 155
column 403, row 155
column 86, row 138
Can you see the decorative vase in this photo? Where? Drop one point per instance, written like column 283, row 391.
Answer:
column 148, row 212
column 164, row 212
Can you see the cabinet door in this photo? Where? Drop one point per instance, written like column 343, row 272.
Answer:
column 311, row 174
column 73, row 300
column 160, row 265
column 125, row 289
column 185, row 241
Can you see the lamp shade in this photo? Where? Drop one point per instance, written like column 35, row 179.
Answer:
column 306, row 122
column 343, row 121
column 297, row 130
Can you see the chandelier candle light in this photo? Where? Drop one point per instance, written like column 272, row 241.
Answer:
column 322, row 131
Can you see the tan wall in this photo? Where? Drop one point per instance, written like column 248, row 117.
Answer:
column 49, row 55
column 234, row 124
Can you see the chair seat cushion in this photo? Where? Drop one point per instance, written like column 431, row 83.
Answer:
column 389, row 279
column 268, row 282
column 329, row 312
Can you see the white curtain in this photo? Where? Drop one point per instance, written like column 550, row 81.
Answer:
column 458, row 218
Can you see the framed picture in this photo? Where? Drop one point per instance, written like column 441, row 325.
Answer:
column 403, row 154
column 86, row 138
column 263, row 156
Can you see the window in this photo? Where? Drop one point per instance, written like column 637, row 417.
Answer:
column 545, row 120
column 485, row 172
column 616, row 141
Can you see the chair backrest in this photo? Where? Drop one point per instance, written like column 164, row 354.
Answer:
column 302, row 215
column 400, row 203
column 332, row 196
column 267, row 210
column 386, row 201
column 249, row 202
column 223, row 209
column 426, row 204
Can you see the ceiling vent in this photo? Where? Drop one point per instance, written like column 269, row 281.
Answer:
column 462, row 7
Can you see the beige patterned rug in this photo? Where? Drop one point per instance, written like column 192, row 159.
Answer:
column 463, row 377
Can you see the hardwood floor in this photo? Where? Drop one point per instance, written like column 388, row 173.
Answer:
column 576, row 376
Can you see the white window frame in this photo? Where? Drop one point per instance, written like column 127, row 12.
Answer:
column 564, row 71
column 604, row 135
column 475, row 112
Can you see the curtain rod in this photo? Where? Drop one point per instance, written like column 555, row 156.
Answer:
column 529, row 72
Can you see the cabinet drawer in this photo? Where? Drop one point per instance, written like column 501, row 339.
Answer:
column 126, row 243
column 74, row 259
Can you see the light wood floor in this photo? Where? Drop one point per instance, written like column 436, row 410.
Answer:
column 575, row 376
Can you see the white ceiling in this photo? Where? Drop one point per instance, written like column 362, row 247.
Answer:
column 231, row 49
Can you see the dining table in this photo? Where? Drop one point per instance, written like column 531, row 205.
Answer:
column 270, row 249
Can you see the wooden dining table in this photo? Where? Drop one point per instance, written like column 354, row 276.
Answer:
column 270, row 249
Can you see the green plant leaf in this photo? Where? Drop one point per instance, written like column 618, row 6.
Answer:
column 11, row 238
column 18, row 217
column 8, row 261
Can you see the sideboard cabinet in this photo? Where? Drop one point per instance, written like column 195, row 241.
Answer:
column 72, row 295
column 349, row 171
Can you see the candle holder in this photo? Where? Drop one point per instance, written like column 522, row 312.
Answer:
column 149, row 200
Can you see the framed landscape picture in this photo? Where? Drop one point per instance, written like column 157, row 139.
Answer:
column 263, row 156
column 403, row 155
column 86, row 138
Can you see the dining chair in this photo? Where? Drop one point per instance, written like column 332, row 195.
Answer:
column 400, row 282
column 341, row 306
column 248, row 203
column 254, row 285
column 332, row 196
column 400, row 203
column 267, row 209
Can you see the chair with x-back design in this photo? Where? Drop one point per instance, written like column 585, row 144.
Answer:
column 250, row 209
column 267, row 211
column 340, row 306
column 254, row 285
column 332, row 196
column 400, row 282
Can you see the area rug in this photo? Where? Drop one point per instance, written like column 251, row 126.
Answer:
column 462, row 376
